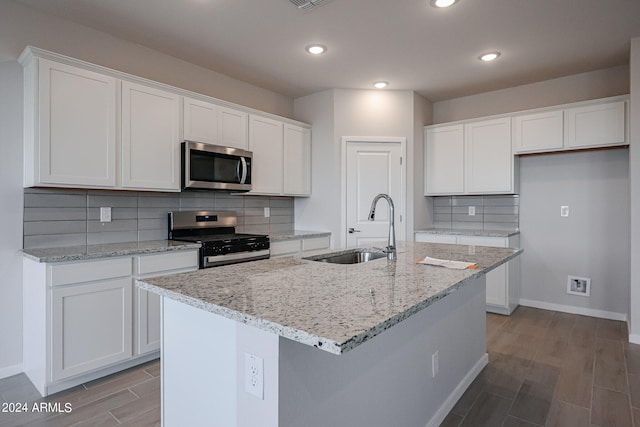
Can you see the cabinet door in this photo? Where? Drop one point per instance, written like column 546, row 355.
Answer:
column 232, row 128
column 265, row 140
column 488, row 157
column 596, row 125
column 148, row 321
column 297, row 160
column 77, row 127
column 444, row 160
column 91, row 326
column 533, row 133
column 200, row 121
column 150, row 138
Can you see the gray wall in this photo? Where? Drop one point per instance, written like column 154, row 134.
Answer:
column 54, row 217
column 634, row 165
column 10, row 218
column 593, row 241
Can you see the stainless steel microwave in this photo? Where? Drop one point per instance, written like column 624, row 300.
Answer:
column 214, row 167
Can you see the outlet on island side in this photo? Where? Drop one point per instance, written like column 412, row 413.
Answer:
column 254, row 375
column 435, row 366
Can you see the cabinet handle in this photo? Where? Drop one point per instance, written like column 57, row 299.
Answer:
column 353, row 230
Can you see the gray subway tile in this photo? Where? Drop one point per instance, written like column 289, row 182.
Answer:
column 466, row 201
column 54, row 240
column 116, row 213
column 464, row 210
column 281, row 211
column 252, row 220
column 442, row 218
column 55, row 214
column 115, row 225
column 145, row 213
column 254, row 212
column 153, row 223
column 278, row 228
column 55, row 200
column 281, row 202
column 54, row 227
column 442, row 209
column 228, row 203
column 196, row 203
column 511, row 200
column 257, row 229
column 501, row 218
column 112, row 237
column 256, row 202
column 466, row 218
column 442, row 201
column 112, row 199
column 466, row 226
column 155, row 234
column 281, row 219
column 501, row 210
column 159, row 201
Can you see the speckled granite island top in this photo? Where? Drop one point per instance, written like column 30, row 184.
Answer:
column 79, row 253
column 333, row 307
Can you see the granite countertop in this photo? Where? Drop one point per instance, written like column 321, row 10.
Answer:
column 469, row 232
column 79, row 253
column 296, row 234
column 333, row 307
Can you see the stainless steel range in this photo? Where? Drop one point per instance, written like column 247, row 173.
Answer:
column 215, row 231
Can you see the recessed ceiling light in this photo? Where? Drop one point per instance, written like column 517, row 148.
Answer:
column 490, row 56
column 316, row 49
column 380, row 85
column 443, row 3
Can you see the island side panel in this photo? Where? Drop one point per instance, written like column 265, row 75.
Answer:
column 388, row 380
column 198, row 363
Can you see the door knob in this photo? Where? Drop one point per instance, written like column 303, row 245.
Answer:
column 353, row 230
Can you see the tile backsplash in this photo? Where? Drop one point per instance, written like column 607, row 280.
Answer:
column 67, row 217
column 491, row 212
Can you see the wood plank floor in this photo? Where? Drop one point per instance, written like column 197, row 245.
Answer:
column 546, row 369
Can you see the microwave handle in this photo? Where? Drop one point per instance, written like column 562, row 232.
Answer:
column 244, row 170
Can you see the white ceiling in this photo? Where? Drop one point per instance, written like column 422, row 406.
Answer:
column 408, row 43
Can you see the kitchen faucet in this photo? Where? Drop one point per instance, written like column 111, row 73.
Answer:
column 390, row 250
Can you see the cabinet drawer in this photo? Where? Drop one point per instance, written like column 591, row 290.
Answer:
column 316, row 243
column 166, row 263
column 497, row 242
column 89, row 271
column 435, row 238
column 286, row 247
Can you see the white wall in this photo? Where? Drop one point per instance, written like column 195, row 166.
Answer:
column 10, row 218
column 592, row 242
column 578, row 87
column 546, row 180
column 343, row 112
column 21, row 26
column 634, row 166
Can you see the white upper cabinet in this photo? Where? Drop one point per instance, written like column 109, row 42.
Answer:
column 232, row 128
column 488, row 157
column 533, row 133
column 214, row 124
column 471, row 158
column 297, row 160
column 596, row 125
column 266, row 143
column 444, row 160
column 150, row 138
column 591, row 124
column 70, row 126
column 200, row 121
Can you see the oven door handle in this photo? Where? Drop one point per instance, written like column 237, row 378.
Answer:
column 243, row 178
column 214, row 259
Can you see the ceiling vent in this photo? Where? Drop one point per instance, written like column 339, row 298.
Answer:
column 307, row 5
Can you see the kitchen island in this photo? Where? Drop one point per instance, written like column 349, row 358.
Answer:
column 373, row 344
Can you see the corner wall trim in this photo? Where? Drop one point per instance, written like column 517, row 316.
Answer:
column 9, row 371
column 457, row 393
column 575, row 310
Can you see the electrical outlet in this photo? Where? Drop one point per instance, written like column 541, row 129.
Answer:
column 267, row 212
column 254, row 375
column 105, row 214
column 435, row 367
column 564, row 211
column 472, row 211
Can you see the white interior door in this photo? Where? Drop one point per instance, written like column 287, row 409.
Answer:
column 373, row 168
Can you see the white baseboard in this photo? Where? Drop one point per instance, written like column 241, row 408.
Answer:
column 574, row 310
column 457, row 393
column 634, row 338
column 9, row 371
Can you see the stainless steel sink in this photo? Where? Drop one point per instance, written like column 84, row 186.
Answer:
column 354, row 256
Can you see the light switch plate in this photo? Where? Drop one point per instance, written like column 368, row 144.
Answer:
column 105, row 214
column 564, row 211
column 472, row 211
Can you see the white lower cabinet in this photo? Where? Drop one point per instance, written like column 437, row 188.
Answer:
column 147, row 304
column 86, row 319
column 297, row 246
column 503, row 283
column 91, row 326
